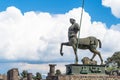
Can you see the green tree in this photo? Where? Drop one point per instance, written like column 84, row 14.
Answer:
column 58, row 72
column 38, row 76
column 24, row 73
column 115, row 57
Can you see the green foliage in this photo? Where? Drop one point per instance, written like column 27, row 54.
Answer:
column 24, row 74
column 38, row 76
column 115, row 57
column 58, row 72
column 111, row 68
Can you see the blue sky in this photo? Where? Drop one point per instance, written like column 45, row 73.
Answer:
column 31, row 31
column 94, row 7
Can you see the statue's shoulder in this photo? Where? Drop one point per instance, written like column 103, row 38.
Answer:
column 76, row 24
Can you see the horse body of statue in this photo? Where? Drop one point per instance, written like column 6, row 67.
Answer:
column 90, row 43
column 84, row 43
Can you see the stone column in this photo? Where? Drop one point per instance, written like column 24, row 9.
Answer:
column 29, row 76
column 52, row 70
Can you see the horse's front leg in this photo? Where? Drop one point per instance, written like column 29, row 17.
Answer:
column 61, row 53
column 61, row 48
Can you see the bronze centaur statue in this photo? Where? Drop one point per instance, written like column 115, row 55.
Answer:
column 90, row 43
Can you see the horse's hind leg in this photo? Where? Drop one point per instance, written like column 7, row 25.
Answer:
column 94, row 51
column 100, row 58
column 93, row 56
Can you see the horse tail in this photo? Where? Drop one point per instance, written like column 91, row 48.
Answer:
column 100, row 44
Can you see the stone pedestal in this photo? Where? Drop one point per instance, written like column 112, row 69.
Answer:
column 84, row 69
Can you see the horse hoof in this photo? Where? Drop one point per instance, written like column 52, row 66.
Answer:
column 61, row 54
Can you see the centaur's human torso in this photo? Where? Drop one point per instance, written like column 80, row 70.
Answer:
column 72, row 33
column 73, row 29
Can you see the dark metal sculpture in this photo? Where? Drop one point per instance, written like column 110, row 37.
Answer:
column 90, row 43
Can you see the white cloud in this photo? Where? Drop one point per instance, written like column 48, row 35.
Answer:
column 36, row 36
column 114, row 5
column 111, row 40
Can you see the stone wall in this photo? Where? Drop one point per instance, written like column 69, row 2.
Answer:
column 88, row 77
column 84, row 77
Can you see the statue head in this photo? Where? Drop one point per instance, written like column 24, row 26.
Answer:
column 72, row 21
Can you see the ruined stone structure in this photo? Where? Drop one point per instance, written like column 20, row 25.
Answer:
column 3, row 77
column 12, row 74
column 51, row 71
column 85, row 77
